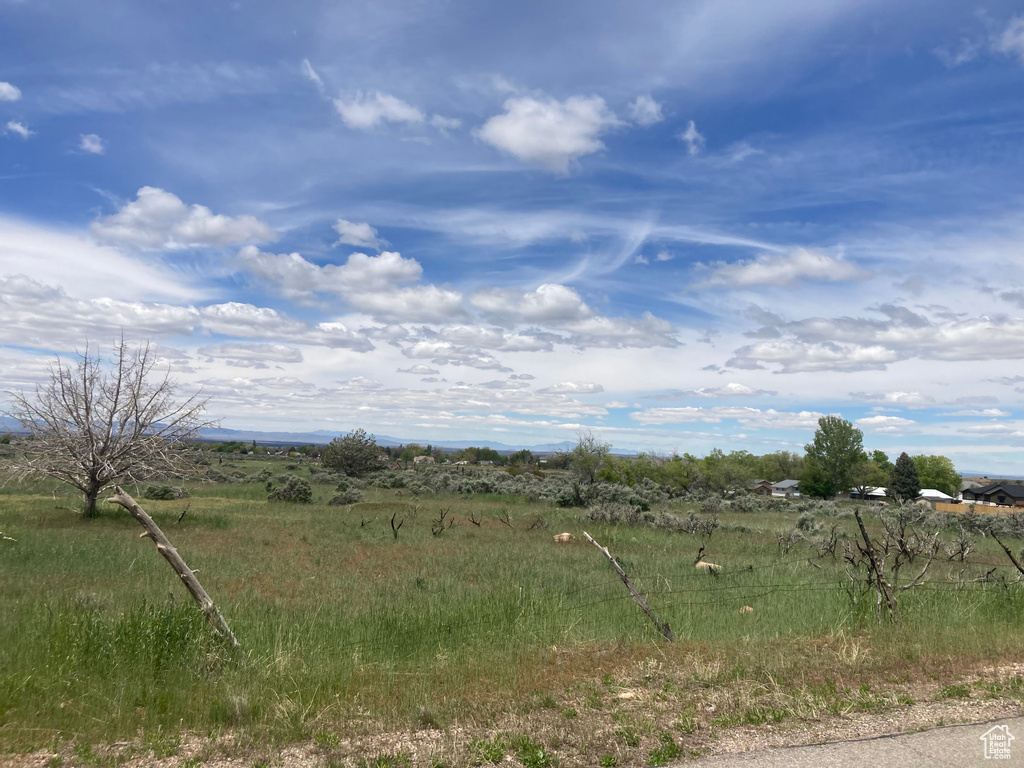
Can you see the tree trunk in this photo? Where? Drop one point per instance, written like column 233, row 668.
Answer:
column 92, row 494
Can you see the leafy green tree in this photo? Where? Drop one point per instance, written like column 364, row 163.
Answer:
column 720, row 471
column 587, row 457
column 937, row 472
column 882, row 460
column 867, row 475
column 521, row 457
column 831, row 457
column 905, row 484
column 353, row 454
column 781, row 465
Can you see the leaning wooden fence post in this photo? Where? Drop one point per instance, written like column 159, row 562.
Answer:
column 662, row 626
column 170, row 554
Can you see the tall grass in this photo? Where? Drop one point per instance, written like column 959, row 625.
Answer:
column 341, row 623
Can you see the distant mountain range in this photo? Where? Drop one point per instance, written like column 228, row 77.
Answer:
column 323, row 437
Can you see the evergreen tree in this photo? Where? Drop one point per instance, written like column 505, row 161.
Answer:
column 905, row 485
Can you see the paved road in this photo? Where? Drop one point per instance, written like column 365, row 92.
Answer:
column 958, row 746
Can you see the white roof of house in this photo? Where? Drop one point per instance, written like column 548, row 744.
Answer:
column 934, row 495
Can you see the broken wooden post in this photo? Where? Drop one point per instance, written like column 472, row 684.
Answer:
column 170, row 554
column 634, row 592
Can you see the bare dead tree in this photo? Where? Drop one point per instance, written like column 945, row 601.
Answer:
column 904, row 542
column 443, row 522
column 92, row 425
column 788, row 540
column 395, row 529
column 504, row 518
column 473, row 519
column 826, row 544
column 961, row 546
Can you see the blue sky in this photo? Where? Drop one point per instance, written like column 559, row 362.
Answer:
column 680, row 225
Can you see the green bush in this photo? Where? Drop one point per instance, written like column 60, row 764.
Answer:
column 295, row 490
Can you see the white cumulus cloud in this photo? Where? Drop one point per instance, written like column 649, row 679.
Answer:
column 366, row 111
column 783, row 269
column 361, row 235
column 91, row 143
column 9, row 92
column 550, row 304
column 159, row 219
column 548, row 133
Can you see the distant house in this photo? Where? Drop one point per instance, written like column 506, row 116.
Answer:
column 760, row 488
column 870, row 494
column 485, row 463
column 786, row 488
column 1000, row 494
column 422, row 459
column 931, row 494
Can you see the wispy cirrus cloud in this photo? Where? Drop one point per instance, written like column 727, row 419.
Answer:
column 365, row 111
column 18, row 129
column 645, row 111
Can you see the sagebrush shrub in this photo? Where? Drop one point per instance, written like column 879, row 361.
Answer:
column 295, row 490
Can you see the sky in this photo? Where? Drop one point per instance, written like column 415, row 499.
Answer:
column 679, row 225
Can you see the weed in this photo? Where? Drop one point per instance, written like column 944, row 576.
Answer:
column 629, row 737
column 569, row 713
column 326, row 739
column 488, row 750
column 667, row 752
column 162, row 744
column 955, row 691
column 685, row 723
column 532, row 754
column 608, row 761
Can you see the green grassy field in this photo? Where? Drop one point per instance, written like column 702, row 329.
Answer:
column 489, row 634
